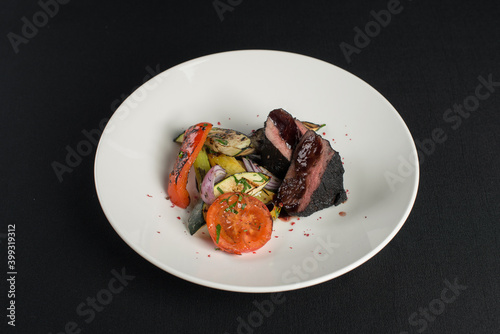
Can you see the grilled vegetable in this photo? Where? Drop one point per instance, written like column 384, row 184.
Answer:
column 179, row 138
column 204, row 211
column 265, row 196
column 201, row 167
column 196, row 219
column 230, row 164
column 229, row 142
column 313, row 126
column 226, row 141
column 214, row 175
column 250, row 183
column 251, row 166
column 194, row 138
column 239, row 223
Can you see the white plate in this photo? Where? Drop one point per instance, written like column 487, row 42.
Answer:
column 238, row 89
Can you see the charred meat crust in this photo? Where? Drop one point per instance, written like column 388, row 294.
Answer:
column 330, row 191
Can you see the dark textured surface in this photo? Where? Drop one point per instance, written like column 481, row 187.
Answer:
column 68, row 78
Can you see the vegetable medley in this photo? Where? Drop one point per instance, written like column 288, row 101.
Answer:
column 236, row 192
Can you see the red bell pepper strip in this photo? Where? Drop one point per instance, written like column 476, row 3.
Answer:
column 194, row 139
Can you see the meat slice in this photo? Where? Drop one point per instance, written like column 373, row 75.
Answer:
column 314, row 180
column 281, row 135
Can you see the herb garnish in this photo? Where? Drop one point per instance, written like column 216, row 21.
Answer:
column 244, row 182
column 264, row 178
column 222, row 141
column 217, row 230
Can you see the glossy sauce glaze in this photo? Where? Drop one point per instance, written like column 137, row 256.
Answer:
column 286, row 126
column 306, row 156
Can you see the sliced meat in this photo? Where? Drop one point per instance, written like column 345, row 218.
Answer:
column 314, row 180
column 281, row 137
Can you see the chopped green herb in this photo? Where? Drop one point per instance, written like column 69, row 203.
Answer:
column 245, row 230
column 217, row 230
column 244, row 182
column 243, row 206
column 222, row 141
column 217, row 248
column 231, row 208
column 181, row 154
column 264, row 178
column 220, row 190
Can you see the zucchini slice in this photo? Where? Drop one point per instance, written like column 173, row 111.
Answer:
column 248, row 182
column 229, row 142
column 264, row 195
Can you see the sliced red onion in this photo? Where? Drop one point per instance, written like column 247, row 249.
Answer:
column 214, row 175
column 251, row 166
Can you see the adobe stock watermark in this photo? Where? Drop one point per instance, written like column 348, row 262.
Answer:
column 298, row 273
column 372, row 29
column 86, row 146
column 421, row 320
column 29, row 28
column 222, row 6
column 86, row 310
column 263, row 309
column 454, row 117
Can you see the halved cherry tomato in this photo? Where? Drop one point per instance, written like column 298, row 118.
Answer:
column 194, row 138
column 239, row 223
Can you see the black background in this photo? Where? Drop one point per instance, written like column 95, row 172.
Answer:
column 68, row 77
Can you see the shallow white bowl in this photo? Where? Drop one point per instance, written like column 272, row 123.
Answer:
column 238, row 89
